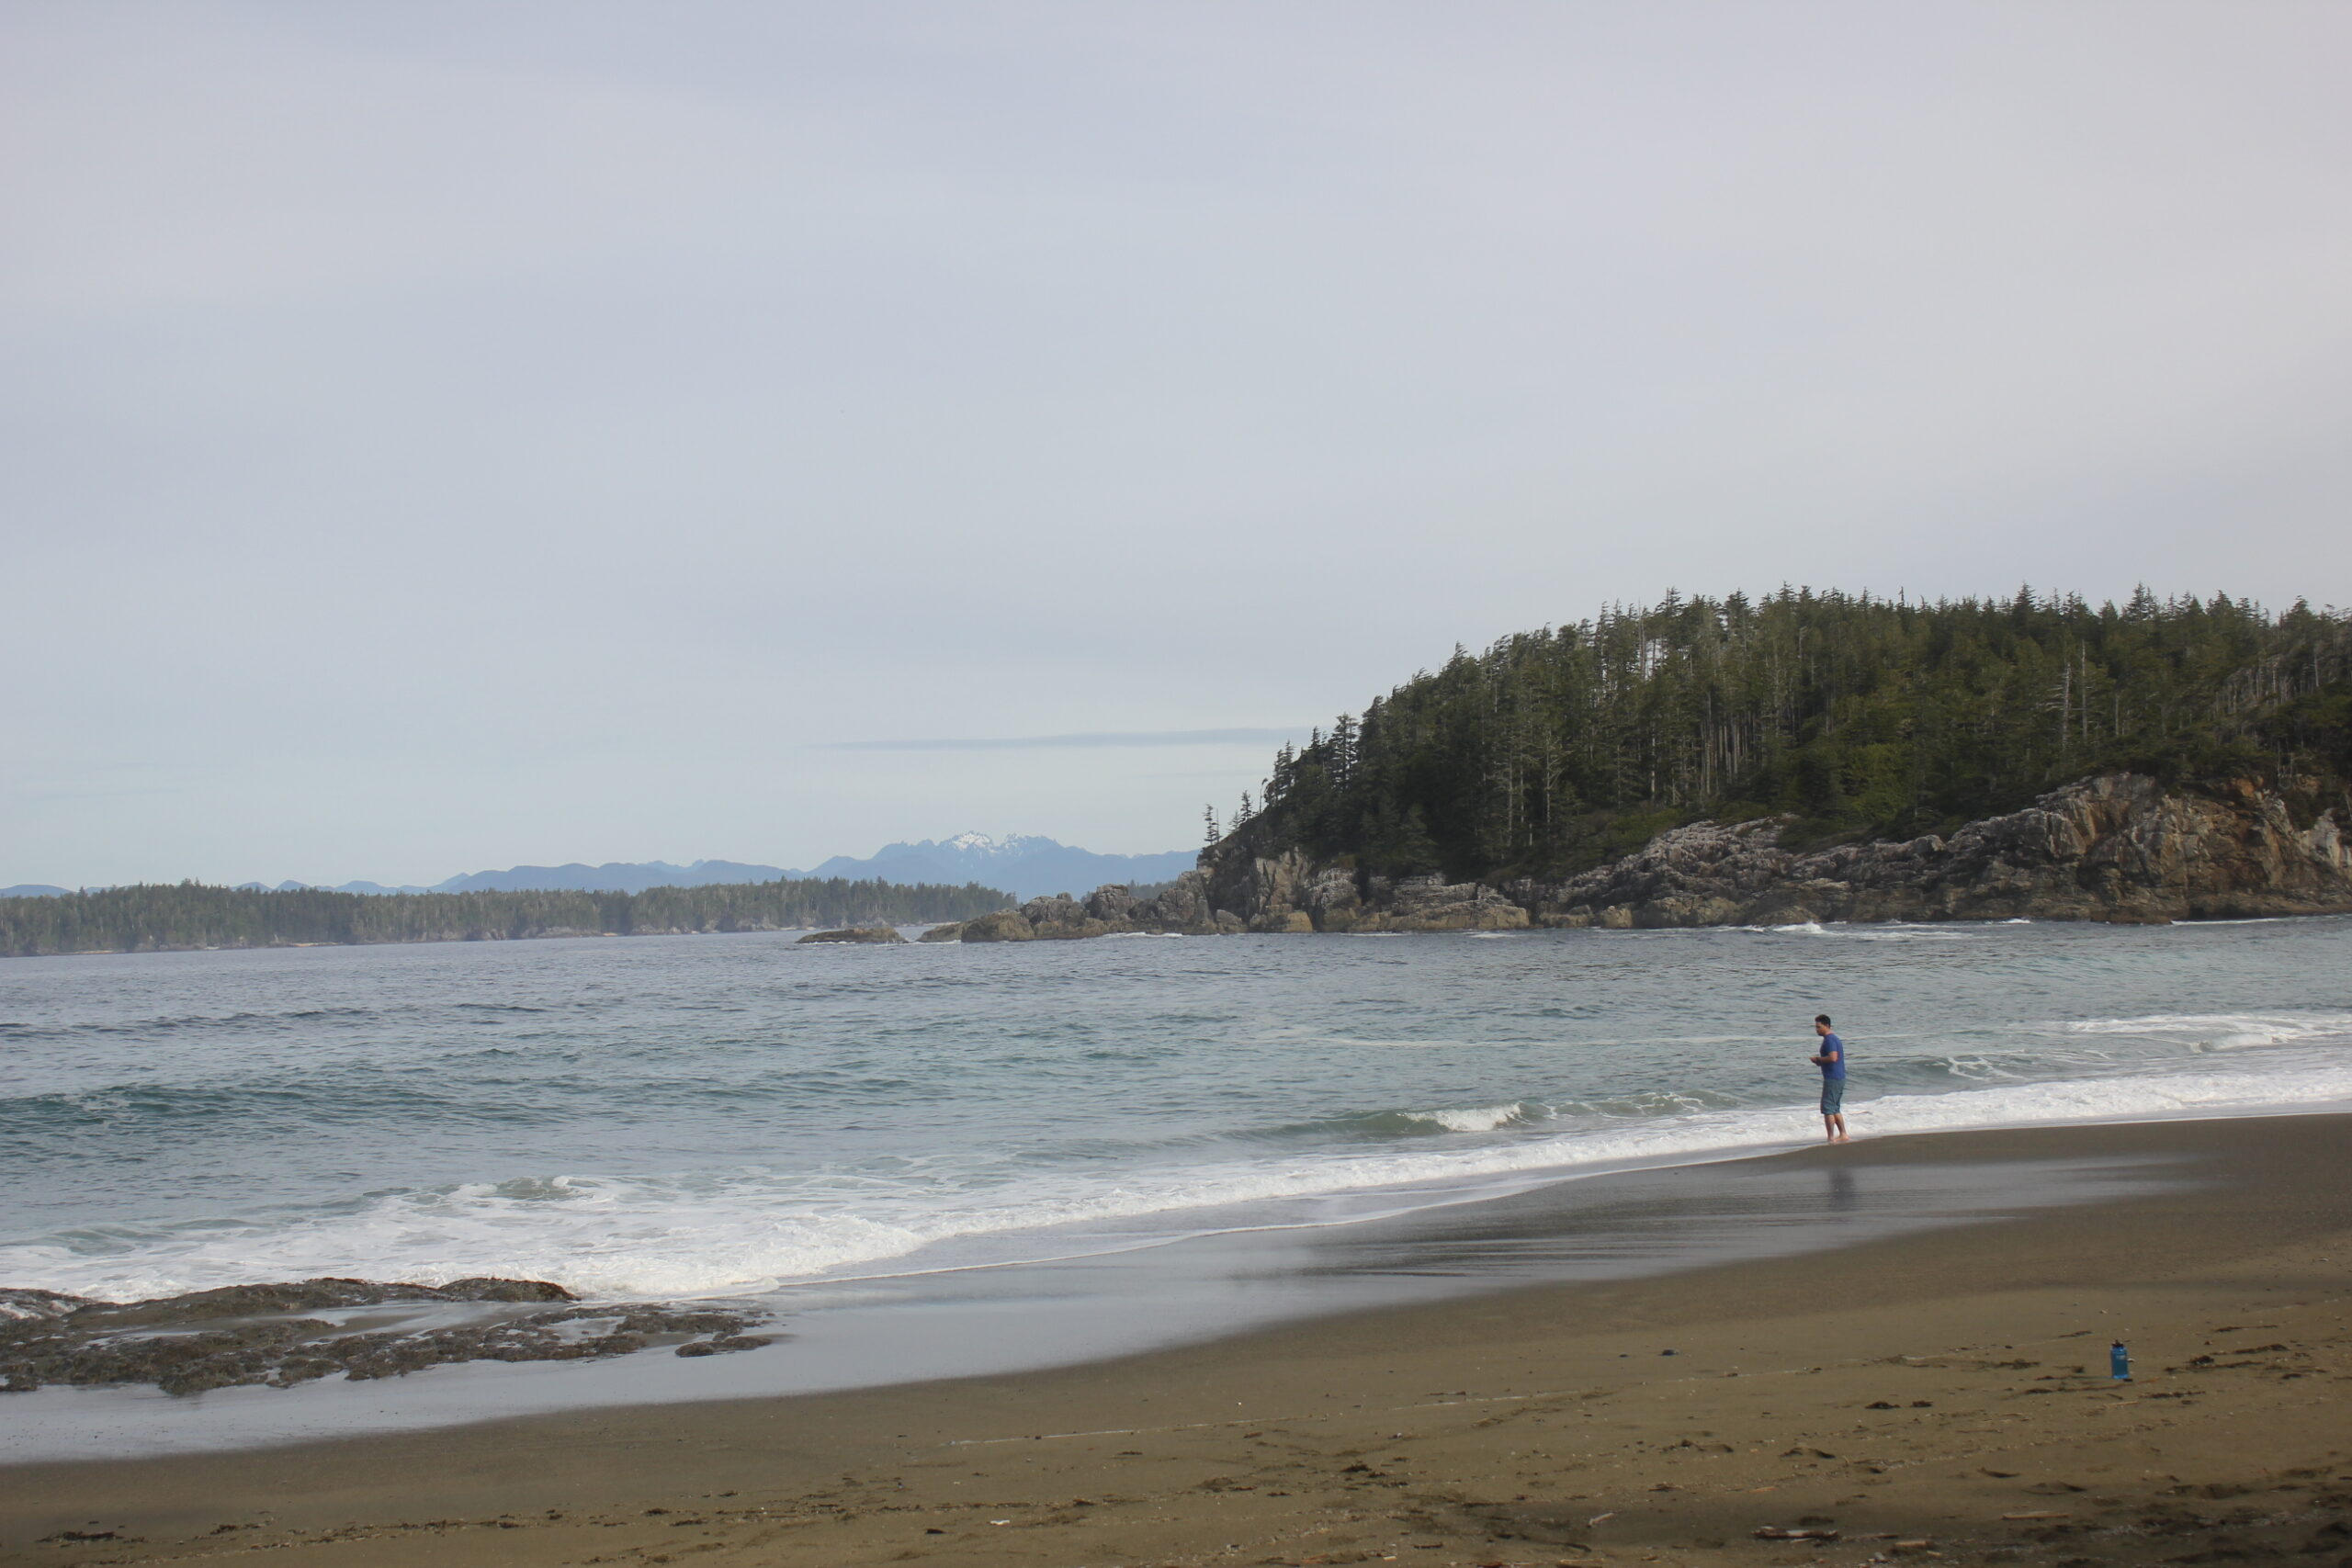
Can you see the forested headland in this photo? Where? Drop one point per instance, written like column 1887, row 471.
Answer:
column 160, row 916
column 1857, row 717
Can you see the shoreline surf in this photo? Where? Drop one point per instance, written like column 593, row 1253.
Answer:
column 874, row 1144
column 988, row 1318
column 1387, row 1175
column 1622, row 1417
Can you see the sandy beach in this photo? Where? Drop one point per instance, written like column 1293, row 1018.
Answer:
column 1944, row 1393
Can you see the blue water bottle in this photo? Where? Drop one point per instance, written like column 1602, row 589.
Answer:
column 2119, row 1361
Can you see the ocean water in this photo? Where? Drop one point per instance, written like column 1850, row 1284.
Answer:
column 727, row 1115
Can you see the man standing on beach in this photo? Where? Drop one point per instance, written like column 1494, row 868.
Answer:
column 1832, row 1063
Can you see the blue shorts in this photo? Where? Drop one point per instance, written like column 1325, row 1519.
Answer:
column 1833, row 1096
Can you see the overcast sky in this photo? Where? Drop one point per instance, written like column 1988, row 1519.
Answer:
column 439, row 436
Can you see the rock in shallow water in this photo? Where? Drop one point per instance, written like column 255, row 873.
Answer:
column 17, row 1304
column 724, row 1344
column 255, row 1333
column 857, row 933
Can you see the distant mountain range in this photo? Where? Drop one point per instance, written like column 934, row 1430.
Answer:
column 1022, row 864
column 616, row 876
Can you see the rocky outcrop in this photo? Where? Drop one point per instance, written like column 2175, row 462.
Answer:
column 2118, row 849
column 884, row 934
column 1290, row 893
column 264, row 1334
column 1183, row 907
column 1432, row 904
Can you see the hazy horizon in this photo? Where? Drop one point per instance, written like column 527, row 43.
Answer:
column 444, row 438
column 999, row 844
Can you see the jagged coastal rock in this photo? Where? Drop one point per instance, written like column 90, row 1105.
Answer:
column 2109, row 849
column 2118, row 849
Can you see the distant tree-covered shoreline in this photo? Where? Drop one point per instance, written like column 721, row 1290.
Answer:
column 1858, row 716
column 178, row 917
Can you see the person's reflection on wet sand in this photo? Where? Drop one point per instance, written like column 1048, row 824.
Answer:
column 1844, row 1195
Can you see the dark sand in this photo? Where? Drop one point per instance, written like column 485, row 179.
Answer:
column 1945, row 1387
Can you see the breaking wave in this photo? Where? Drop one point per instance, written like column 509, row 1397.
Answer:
column 699, row 1118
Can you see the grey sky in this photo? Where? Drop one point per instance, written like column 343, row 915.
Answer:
column 444, row 436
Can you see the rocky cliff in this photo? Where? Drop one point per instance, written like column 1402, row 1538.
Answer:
column 2120, row 847
column 2107, row 849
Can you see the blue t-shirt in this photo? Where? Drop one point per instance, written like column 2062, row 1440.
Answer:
column 1832, row 1046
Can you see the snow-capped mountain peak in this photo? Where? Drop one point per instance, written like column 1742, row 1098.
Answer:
column 985, row 846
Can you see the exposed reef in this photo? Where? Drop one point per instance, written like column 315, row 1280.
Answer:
column 884, row 934
column 2120, row 847
column 289, row 1334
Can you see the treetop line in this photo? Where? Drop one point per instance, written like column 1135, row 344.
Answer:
column 1854, row 716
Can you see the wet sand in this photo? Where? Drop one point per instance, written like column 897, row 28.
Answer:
column 1944, row 1387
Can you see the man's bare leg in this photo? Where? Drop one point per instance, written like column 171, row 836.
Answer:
column 1836, row 1127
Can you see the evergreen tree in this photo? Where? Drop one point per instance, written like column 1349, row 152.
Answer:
column 1858, row 717
column 190, row 915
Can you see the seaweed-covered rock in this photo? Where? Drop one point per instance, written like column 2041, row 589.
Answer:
column 308, row 1295
column 725, row 1344
column 24, row 1304
column 481, row 1288
column 258, row 1334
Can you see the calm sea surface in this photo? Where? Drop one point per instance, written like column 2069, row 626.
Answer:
column 668, row 1117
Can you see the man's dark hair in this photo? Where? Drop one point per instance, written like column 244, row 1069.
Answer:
column 1822, row 1017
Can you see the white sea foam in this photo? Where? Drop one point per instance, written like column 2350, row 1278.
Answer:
column 1478, row 1119
column 1874, row 932
column 1909, row 933
column 612, row 1239
column 2225, row 1032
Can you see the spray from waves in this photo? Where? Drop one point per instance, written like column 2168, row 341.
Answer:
column 616, row 1239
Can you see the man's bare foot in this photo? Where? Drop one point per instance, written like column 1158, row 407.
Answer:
column 1842, row 1138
